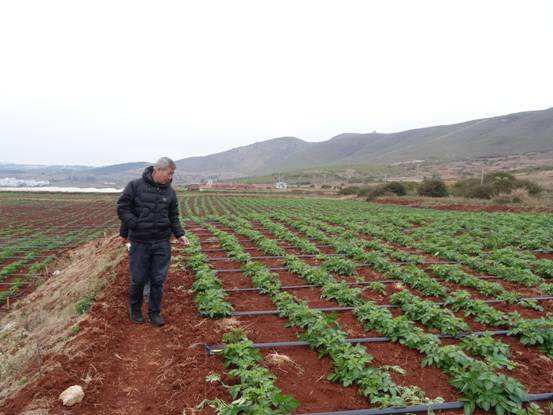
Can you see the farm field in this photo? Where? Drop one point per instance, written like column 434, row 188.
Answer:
column 35, row 229
column 307, row 306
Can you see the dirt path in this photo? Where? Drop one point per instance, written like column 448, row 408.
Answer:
column 126, row 368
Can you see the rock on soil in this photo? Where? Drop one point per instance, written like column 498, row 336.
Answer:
column 72, row 395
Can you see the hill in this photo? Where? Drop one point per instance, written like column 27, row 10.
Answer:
column 489, row 137
column 503, row 136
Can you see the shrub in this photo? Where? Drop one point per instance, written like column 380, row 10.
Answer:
column 392, row 188
column 516, row 196
column 433, row 188
column 494, row 184
column 533, row 189
column 350, row 190
column 501, row 182
column 396, row 188
column 480, row 191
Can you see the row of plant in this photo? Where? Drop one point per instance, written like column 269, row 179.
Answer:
column 530, row 331
column 435, row 245
column 456, row 276
column 29, row 244
column 525, row 231
column 479, row 383
column 18, row 283
column 210, row 296
column 351, row 363
column 254, row 391
column 467, row 245
column 427, row 313
column 35, row 248
column 493, row 231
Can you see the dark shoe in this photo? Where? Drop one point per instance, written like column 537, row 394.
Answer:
column 157, row 320
column 136, row 315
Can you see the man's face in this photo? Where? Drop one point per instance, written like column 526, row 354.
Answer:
column 163, row 176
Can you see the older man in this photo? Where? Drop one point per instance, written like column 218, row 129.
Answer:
column 149, row 213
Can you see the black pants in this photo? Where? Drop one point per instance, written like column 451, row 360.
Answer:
column 149, row 261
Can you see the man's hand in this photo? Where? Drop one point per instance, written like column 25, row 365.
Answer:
column 183, row 240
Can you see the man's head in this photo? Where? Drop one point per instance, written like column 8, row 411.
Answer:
column 163, row 170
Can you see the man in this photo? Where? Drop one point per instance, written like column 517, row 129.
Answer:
column 149, row 213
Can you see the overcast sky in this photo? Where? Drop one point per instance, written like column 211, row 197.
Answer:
column 101, row 82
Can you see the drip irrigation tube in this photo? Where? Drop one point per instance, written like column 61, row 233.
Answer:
column 257, row 249
column 330, row 309
column 215, row 348
column 272, row 312
column 222, row 250
column 422, row 408
column 216, row 240
column 357, row 265
column 295, row 287
column 205, row 232
column 226, row 258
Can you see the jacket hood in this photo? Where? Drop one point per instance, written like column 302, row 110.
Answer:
column 147, row 175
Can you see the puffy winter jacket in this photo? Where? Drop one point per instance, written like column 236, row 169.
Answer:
column 149, row 211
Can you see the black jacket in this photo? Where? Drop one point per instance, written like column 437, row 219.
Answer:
column 149, row 211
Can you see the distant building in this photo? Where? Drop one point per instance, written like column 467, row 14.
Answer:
column 13, row 182
column 281, row 185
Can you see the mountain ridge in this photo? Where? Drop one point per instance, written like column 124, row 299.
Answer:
column 503, row 135
column 516, row 133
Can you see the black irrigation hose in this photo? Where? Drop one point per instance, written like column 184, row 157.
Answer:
column 330, row 309
column 257, row 249
column 224, row 229
column 212, row 238
column 240, row 270
column 395, row 410
column 226, row 258
column 216, row 240
column 357, row 265
column 423, row 407
column 215, row 348
column 294, row 287
column 272, row 312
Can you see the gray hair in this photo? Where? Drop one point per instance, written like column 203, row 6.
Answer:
column 165, row 163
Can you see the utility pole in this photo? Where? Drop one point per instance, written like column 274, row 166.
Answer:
column 482, row 176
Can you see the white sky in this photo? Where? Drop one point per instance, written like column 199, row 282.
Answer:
column 101, row 82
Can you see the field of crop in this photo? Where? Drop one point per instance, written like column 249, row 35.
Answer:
column 409, row 306
column 36, row 228
column 311, row 306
